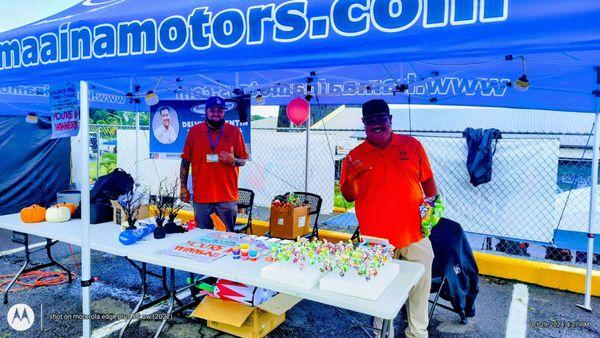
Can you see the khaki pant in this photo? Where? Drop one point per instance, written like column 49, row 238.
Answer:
column 418, row 298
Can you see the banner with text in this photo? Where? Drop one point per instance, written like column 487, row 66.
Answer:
column 64, row 106
column 171, row 121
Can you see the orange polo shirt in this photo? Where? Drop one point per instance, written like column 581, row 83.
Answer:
column 214, row 182
column 390, row 194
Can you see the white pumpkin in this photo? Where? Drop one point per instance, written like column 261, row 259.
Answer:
column 57, row 214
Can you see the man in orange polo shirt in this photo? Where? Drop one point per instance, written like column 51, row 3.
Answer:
column 388, row 176
column 215, row 149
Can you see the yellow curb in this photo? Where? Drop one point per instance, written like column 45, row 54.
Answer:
column 550, row 275
column 338, row 209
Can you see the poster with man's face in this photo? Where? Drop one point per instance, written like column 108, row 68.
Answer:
column 165, row 124
column 171, row 121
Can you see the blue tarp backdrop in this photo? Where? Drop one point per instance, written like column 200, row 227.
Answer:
column 38, row 167
column 447, row 52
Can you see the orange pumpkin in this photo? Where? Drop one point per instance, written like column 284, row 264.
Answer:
column 33, row 214
column 72, row 207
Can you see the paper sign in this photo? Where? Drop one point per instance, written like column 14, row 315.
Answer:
column 64, row 106
column 345, row 144
column 208, row 247
column 301, row 222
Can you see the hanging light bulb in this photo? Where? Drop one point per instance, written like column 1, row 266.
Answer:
column 522, row 83
column 259, row 99
column 151, row 98
column 31, row 118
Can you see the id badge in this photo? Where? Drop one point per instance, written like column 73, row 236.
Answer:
column 212, row 158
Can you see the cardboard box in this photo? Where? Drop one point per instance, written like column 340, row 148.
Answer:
column 245, row 321
column 119, row 215
column 289, row 222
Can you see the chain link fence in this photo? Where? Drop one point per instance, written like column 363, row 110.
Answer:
column 536, row 205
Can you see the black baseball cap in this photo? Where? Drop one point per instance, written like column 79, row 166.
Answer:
column 375, row 107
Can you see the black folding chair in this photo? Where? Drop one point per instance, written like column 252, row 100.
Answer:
column 437, row 283
column 314, row 201
column 449, row 240
column 246, row 202
column 355, row 236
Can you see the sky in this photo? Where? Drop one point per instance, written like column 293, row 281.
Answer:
column 17, row 13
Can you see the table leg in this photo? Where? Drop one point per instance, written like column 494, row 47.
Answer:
column 49, row 245
column 171, row 304
column 12, row 282
column 142, row 297
column 385, row 328
column 364, row 328
column 170, row 294
column 164, row 285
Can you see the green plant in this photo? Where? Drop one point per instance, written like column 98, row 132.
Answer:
column 108, row 162
column 338, row 199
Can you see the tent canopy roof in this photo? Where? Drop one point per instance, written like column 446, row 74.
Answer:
column 446, row 52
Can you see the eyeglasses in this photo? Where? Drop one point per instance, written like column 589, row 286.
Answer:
column 375, row 119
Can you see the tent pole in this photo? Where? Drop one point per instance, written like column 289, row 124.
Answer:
column 308, row 122
column 137, row 136
column 592, row 219
column 85, row 204
column 587, row 303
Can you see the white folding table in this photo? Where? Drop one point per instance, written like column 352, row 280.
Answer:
column 68, row 232
column 387, row 306
column 104, row 237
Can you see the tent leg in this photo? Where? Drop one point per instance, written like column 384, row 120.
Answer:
column 85, row 205
column 587, row 305
column 137, row 140
column 308, row 122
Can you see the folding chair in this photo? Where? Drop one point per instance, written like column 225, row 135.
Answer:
column 437, row 283
column 314, row 201
column 246, row 202
column 448, row 240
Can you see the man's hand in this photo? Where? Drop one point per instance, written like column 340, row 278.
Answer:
column 227, row 157
column 355, row 168
column 184, row 194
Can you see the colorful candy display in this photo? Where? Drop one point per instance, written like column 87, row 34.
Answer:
column 431, row 210
column 244, row 249
column 235, row 251
column 329, row 257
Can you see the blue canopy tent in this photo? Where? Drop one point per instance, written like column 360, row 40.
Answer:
column 461, row 52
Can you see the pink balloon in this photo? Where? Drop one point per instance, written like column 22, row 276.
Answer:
column 298, row 110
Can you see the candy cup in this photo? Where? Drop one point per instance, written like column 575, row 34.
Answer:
column 252, row 255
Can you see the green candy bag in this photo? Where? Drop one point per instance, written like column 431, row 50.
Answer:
column 432, row 210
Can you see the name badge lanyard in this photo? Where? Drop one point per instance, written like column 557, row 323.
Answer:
column 213, row 145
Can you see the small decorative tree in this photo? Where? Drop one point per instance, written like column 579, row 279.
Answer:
column 160, row 204
column 174, row 206
column 131, row 203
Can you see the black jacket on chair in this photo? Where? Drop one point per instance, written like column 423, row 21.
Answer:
column 454, row 260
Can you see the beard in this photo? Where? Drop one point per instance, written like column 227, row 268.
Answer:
column 215, row 124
